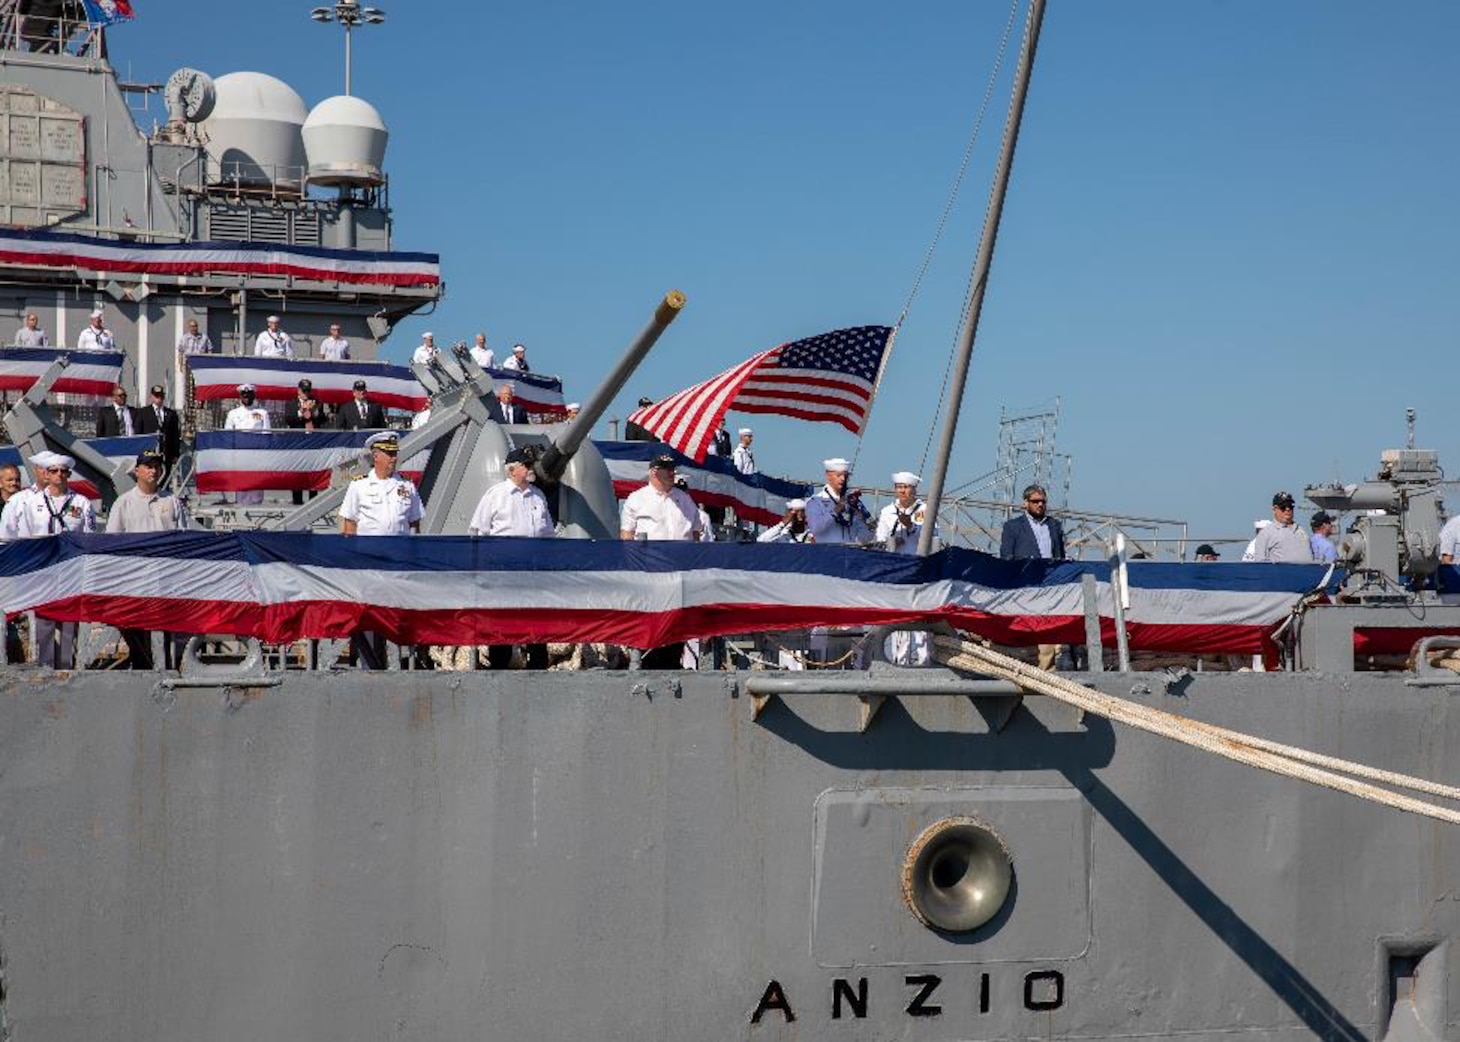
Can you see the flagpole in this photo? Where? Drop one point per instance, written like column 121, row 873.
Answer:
column 985, row 259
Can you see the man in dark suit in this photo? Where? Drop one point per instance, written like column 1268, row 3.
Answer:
column 511, row 411
column 305, row 413
column 362, row 413
column 1034, row 535
column 156, row 418
column 117, row 419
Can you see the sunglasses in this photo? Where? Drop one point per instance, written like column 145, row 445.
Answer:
column 58, row 470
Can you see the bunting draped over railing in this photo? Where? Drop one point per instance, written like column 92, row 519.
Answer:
column 283, row 586
column 239, row 461
column 757, row 498
column 536, row 393
column 277, row 380
column 32, row 249
column 88, row 372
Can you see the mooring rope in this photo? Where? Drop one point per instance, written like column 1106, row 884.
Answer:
column 1249, row 750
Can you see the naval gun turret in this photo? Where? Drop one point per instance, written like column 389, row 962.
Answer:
column 1398, row 533
column 469, row 446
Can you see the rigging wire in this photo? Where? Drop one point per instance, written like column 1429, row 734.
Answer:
column 943, row 219
column 983, row 109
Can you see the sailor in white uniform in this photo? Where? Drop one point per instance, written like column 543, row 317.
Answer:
column 742, row 457
column 273, row 342
column 96, row 337
column 51, row 510
column 247, row 416
column 790, row 529
column 518, row 361
column 836, row 513
column 10, row 517
column 899, row 527
column 426, row 351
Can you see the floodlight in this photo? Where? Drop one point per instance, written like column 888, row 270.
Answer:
column 322, row 14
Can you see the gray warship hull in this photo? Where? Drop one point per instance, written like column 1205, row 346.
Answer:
column 633, row 856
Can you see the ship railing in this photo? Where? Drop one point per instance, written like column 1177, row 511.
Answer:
column 39, row 34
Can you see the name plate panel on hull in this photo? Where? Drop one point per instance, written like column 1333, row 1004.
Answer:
column 859, row 917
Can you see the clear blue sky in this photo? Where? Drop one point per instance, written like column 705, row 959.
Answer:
column 1232, row 244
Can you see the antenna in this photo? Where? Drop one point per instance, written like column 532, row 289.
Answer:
column 350, row 15
column 1409, row 422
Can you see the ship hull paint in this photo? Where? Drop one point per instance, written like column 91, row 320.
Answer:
column 608, row 856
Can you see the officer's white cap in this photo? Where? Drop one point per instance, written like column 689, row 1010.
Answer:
column 906, row 477
column 96, row 314
column 245, row 387
column 58, row 460
column 272, row 318
column 836, row 464
column 746, row 430
column 795, row 504
column 383, row 438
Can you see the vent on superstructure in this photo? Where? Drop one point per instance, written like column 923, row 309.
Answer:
column 306, row 227
column 269, row 226
column 228, row 223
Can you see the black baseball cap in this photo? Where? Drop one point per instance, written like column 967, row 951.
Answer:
column 520, row 455
column 157, row 390
column 360, row 385
column 306, row 384
column 1207, row 550
column 645, row 401
column 1323, row 517
column 150, row 458
column 663, row 461
column 1283, row 499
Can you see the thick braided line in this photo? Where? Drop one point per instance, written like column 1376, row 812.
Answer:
column 1229, row 745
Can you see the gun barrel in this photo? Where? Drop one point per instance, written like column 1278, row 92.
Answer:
column 555, row 460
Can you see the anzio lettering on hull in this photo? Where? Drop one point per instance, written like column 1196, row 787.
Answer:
column 922, row 995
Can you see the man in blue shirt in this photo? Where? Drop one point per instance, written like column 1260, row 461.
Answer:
column 1034, row 535
column 1320, row 541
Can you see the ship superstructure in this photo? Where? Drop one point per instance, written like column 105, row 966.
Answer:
column 297, row 199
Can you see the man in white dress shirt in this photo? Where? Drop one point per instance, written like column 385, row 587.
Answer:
column 334, row 348
column 661, row 511
column 515, row 507
column 247, row 416
column 273, row 342
column 481, row 354
column 96, row 337
column 31, row 334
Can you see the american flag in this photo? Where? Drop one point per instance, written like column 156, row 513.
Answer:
column 828, row 378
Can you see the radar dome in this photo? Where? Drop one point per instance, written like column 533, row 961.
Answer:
column 345, row 138
column 254, row 132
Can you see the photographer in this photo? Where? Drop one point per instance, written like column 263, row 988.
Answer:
column 790, row 529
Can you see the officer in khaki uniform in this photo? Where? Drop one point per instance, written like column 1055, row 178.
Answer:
column 379, row 503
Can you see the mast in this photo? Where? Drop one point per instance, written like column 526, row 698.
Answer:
column 981, row 271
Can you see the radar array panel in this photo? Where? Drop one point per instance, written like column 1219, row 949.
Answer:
column 42, row 159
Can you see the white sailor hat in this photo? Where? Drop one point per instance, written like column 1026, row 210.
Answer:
column 385, row 441
column 428, row 335
column 572, row 405
column 518, row 347
column 246, row 387
column 60, row 460
column 272, row 318
column 41, row 459
column 836, row 463
column 96, row 313
column 795, row 504
column 906, row 477
column 744, row 431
